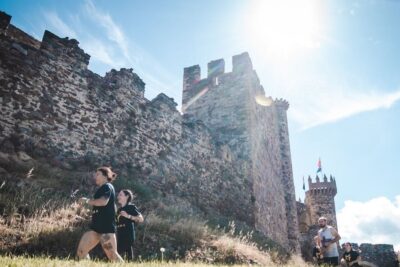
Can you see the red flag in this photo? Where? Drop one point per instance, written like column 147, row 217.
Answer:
column 319, row 166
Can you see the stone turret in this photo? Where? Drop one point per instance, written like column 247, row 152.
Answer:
column 320, row 200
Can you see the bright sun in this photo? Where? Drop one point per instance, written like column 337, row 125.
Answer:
column 283, row 27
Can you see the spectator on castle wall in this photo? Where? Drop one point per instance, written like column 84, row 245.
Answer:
column 329, row 238
column 316, row 252
column 350, row 256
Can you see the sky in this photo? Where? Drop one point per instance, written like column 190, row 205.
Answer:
column 336, row 62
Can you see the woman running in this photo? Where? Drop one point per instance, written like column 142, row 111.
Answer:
column 128, row 215
column 102, row 228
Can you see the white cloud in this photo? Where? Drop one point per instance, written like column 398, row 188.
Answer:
column 153, row 74
column 374, row 221
column 58, row 25
column 107, row 44
column 114, row 32
column 98, row 50
column 321, row 107
column 321, row 99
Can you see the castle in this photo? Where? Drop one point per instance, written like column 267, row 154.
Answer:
column 227, row 153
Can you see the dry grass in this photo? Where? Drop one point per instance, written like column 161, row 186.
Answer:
column 187, row 238
column 43, row 233
column 52, row 226
column 65, row 217
column 48, row 262
column 238, row 248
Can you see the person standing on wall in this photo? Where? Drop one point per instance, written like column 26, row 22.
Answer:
column 127, row 216
column 329, row 238
column 103, row 227
column 350, row 256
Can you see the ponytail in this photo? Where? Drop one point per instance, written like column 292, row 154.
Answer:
column 108, row 173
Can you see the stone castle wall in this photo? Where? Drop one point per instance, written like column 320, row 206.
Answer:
column 381, row 255
column 53, row 107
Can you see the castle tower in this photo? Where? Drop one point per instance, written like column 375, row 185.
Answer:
column 320, row 200
column 256, row 134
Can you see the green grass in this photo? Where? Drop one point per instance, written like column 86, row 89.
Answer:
column 20, row 261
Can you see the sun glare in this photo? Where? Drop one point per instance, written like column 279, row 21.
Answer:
column 284, row 28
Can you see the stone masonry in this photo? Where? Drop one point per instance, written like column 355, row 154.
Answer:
column 226, row 154
column 257, row 135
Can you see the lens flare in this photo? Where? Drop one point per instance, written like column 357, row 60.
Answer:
column 263, row 100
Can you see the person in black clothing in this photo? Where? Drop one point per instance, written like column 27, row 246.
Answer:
column 127, row 216
column 102, row 227
column 317, row 252
column 350, row 257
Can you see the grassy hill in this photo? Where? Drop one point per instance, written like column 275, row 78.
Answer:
column 40, row 216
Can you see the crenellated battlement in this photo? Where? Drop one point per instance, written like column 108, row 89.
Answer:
column 115, row 79
column 322, row 187
column 63, row 46
column 51, row 44
column 282, row 103
column 241, row 63
column 191, row 76
column 193, row 83
column 4, row 21
column 215, row 68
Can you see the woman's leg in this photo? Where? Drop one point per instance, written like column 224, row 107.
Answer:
column 121, row 248
column 130, row 253
column 109, row 244
column 125, row 248
column 88, row 241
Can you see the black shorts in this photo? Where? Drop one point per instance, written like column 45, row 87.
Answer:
column 104, row 229
column 332, row 260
